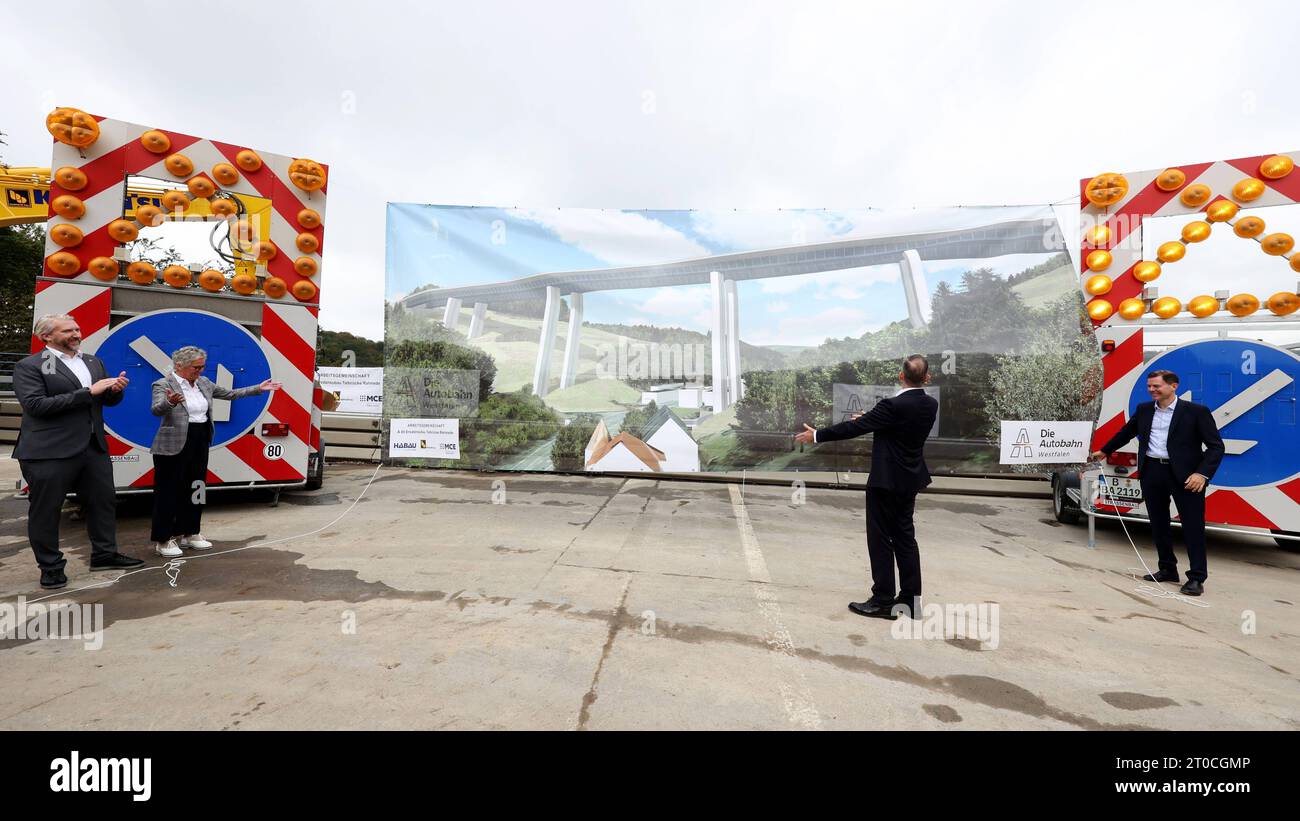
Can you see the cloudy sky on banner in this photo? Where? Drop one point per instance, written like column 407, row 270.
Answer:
column 452, row 246
column 672, row 104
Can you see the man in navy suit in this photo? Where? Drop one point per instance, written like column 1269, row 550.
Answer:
column 1179, row 449
column 901, row 424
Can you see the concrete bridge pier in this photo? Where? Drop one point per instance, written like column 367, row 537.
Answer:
column 569, row 373
column 476, row 320
column 546, row 344
column 451, row 314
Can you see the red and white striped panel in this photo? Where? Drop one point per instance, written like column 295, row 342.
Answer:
column 88, row 304
column 289, row 342
column 1144, row 199
column 118, row 154
column 1121, row 369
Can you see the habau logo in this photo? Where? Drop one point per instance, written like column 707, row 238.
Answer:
column 130, row 775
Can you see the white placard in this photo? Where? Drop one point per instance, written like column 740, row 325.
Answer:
column 1041, row 443
column 424, row 439
column 360, row 390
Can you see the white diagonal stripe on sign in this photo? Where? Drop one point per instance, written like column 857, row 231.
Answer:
column 152, row 354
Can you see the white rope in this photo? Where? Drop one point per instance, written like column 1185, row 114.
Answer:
column 1158, row 591
column 173, row 568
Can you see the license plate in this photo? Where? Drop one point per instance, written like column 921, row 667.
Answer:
column 1119, row 488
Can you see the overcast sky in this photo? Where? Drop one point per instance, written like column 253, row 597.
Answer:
column 666, row 104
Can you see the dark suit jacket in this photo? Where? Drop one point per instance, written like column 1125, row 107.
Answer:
column 1191, row 428
column 59, row 416
column 901, row 425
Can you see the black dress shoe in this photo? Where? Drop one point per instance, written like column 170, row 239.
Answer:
column 53, row 579
column 874, row 611
column 1192, row 588
column 117, row 561
column 1162, row 576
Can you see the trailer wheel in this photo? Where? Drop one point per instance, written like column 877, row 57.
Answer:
column 316, row 477
column 1065, row 510
column 1289, row 545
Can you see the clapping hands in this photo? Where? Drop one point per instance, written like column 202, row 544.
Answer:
column 114, row 383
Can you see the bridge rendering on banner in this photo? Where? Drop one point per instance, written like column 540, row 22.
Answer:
column 940, row 234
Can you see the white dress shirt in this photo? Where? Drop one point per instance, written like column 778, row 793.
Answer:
column 1158, row 447
column 195, row 402
column 76, row 363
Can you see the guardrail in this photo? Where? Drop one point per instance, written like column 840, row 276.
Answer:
column 350, row 436
column 346, row 436
column 353, row 437
column 10, row 417
column 7, row 361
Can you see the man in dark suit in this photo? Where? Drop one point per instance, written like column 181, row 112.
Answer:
column 61, row 446
column 1179, row 449
column 901, row 425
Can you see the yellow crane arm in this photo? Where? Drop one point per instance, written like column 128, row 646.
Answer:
column 25, row 198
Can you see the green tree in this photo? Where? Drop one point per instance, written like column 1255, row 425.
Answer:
column 985, row 315
column 571, row 442
column 405, row 359
column 331, row 345
column 635, row 419
column 1056, row 376
column 22, row 255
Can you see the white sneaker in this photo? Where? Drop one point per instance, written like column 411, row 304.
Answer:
column 167, row 549
column 195, row 542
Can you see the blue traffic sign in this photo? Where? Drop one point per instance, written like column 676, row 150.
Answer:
column 143, row 345
column 1251, row 389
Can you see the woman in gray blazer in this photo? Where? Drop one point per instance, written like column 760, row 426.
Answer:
column 183, row 399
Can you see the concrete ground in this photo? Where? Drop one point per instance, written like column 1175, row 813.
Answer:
column 460, row 600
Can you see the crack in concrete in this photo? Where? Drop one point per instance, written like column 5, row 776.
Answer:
column 615, row 624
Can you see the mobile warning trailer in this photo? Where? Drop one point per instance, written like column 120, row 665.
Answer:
column 1236, row 350
column 112, row 178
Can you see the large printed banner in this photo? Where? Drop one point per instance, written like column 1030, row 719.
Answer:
column 684, row 341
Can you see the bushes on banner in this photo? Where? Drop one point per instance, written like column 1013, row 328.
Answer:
column 438, row 354
column 504, row 425
column 507, row 424
column 1057, row 374
column 570, row 445
column 634, row 421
